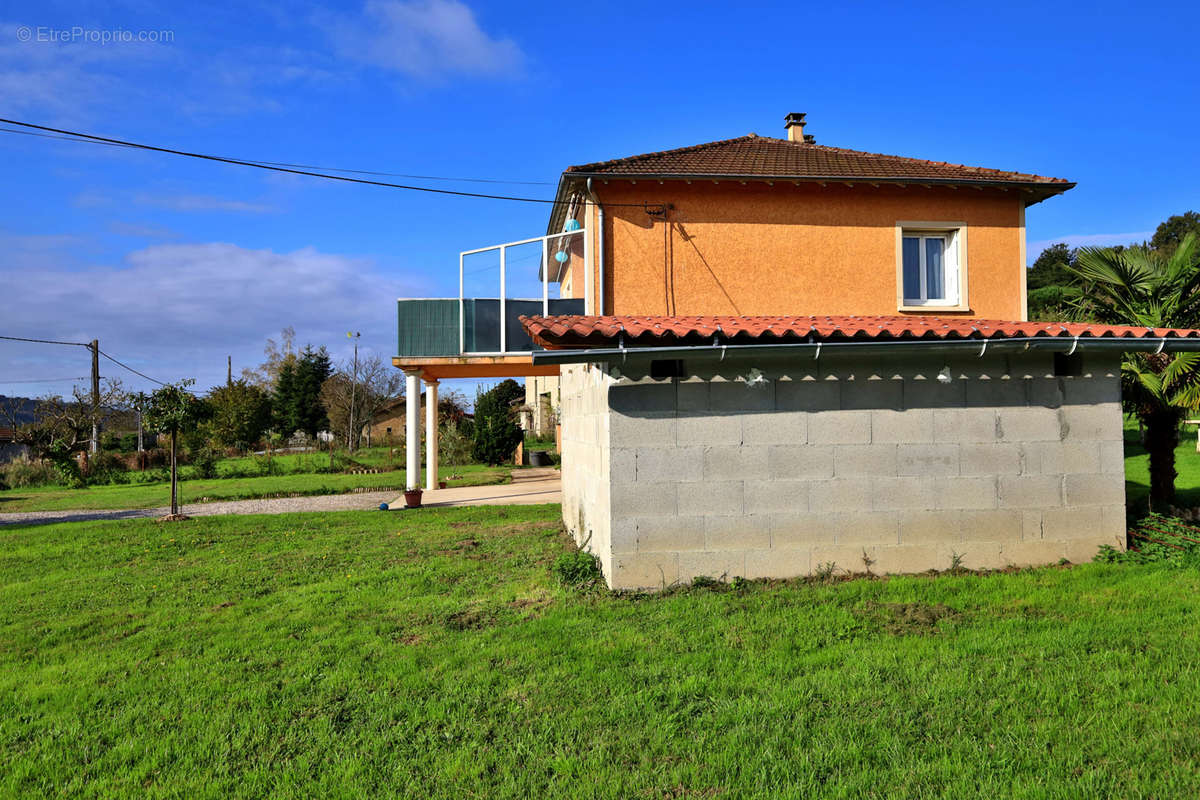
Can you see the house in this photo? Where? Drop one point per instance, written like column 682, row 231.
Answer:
column 774, row 357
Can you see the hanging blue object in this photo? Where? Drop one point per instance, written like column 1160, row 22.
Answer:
column 562, row 256
column 572, row 225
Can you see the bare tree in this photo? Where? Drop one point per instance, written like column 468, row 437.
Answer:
column 276, row 353
column 62, row 429
column 378, row 384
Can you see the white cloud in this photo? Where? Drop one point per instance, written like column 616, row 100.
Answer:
column 426, row 39
column 176, row 310
column 202, row 202
column 1034, row 249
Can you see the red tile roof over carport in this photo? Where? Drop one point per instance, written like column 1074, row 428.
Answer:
column 592, row 331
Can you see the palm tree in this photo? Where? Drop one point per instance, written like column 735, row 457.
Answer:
column 1146, row 287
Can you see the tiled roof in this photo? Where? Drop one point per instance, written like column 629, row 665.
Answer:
column 591, row 331
column 763, row 156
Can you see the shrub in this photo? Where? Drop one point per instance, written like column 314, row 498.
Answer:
column 267, row 465
column 205, row 462
column 24, row 473
column 496, row 431
column 577, row 568
column 1157, row 538
column 455, row 444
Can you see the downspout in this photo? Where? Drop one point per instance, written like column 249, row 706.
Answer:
column 599, row 247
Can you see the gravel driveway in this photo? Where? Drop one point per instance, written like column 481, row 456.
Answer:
column 361, row 501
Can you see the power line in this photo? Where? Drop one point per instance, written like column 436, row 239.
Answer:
column 291, row 171
column 44, row 341
column 131, row 369
column 300, row 166
column 42, row 380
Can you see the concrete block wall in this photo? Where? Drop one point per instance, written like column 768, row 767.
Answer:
column 586, row 459
column 845, row 463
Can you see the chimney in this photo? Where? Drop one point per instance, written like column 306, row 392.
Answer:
column 794, row 123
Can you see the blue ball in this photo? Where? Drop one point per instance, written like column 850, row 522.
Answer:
column 383, row 506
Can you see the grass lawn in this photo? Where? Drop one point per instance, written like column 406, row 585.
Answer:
column 152, row 495
column 432, row 654
column 1137, row 469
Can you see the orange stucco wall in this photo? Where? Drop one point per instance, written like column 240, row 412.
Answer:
column 729, row 248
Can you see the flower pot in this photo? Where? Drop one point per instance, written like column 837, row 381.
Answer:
column 539, row 458
column 441, row 484
column 412, row 498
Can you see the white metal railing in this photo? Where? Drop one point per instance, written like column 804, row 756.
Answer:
column 548, row 243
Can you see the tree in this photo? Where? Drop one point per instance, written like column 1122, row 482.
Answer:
column 173, row 409
column 1152, row 288
column 378, row 384
column 1052, row 287
column 61, row 429
column 277, row 354
column 1169, row 234
column 496, row 431
column 298, row 392
column 239, row 414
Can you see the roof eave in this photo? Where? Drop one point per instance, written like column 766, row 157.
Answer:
column 1051, row 188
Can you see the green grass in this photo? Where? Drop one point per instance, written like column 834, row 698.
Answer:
column 431, row 654
column 152, row 495
column 1137, row 470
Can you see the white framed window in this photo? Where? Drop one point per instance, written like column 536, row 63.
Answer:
column 931, row 265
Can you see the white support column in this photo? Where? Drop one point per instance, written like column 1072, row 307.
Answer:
column 412, row 429
column 431, row 434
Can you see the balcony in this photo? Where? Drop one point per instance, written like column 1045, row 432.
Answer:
column 478, row 333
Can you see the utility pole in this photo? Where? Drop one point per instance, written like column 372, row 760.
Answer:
column 353, row 388
column 229, row 370
column 95, row 348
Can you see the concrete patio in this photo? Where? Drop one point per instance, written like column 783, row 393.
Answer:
column 528, row 487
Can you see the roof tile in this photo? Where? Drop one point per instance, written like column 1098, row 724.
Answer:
column 593, row 331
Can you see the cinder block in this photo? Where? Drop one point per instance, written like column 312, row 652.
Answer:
column 1112, row 457
column 692, row 395
column 739, row 396
column 976, row 554
column 1094, row 490
column 622, row 464
column 1030, row 491
column 807, row 395
column 871, row 395
column 875, row 527
column 965, row 425
column 989, row 459
column 864, row 460
column 1082, row 551
column 1046, row 392
column 1101, row 421
column 622, row 535
column 1041, row 458
column 709, row 429
column 898, row 494
column 725, row 564
column 912, row 426
column 792, row 562
column 644, row 571
column 726, row 463
column 741, row 532
column 777, row 495
column 1031, row 525
column 641, row 430
column 1114, row 523
column 914, row 558
column 670, row 534
column 967, row 493
column 1033, row 553
column 932, row 393
column 1081, row 456
column 1073, row 523
column 927, row 459
column 930, row 527
column 667, row 464
column 1030, row 424
column 853, row 559
column 1092, row 391
column 642, row 397
column 779, row 427
column 996, row 391
column 843, row 494
column 992, row 525
column 709, row 497
column 800, row 461
column 630, row 500
column 805, row 529
column 839, row 427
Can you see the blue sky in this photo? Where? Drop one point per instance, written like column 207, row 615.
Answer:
column 173, row 264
